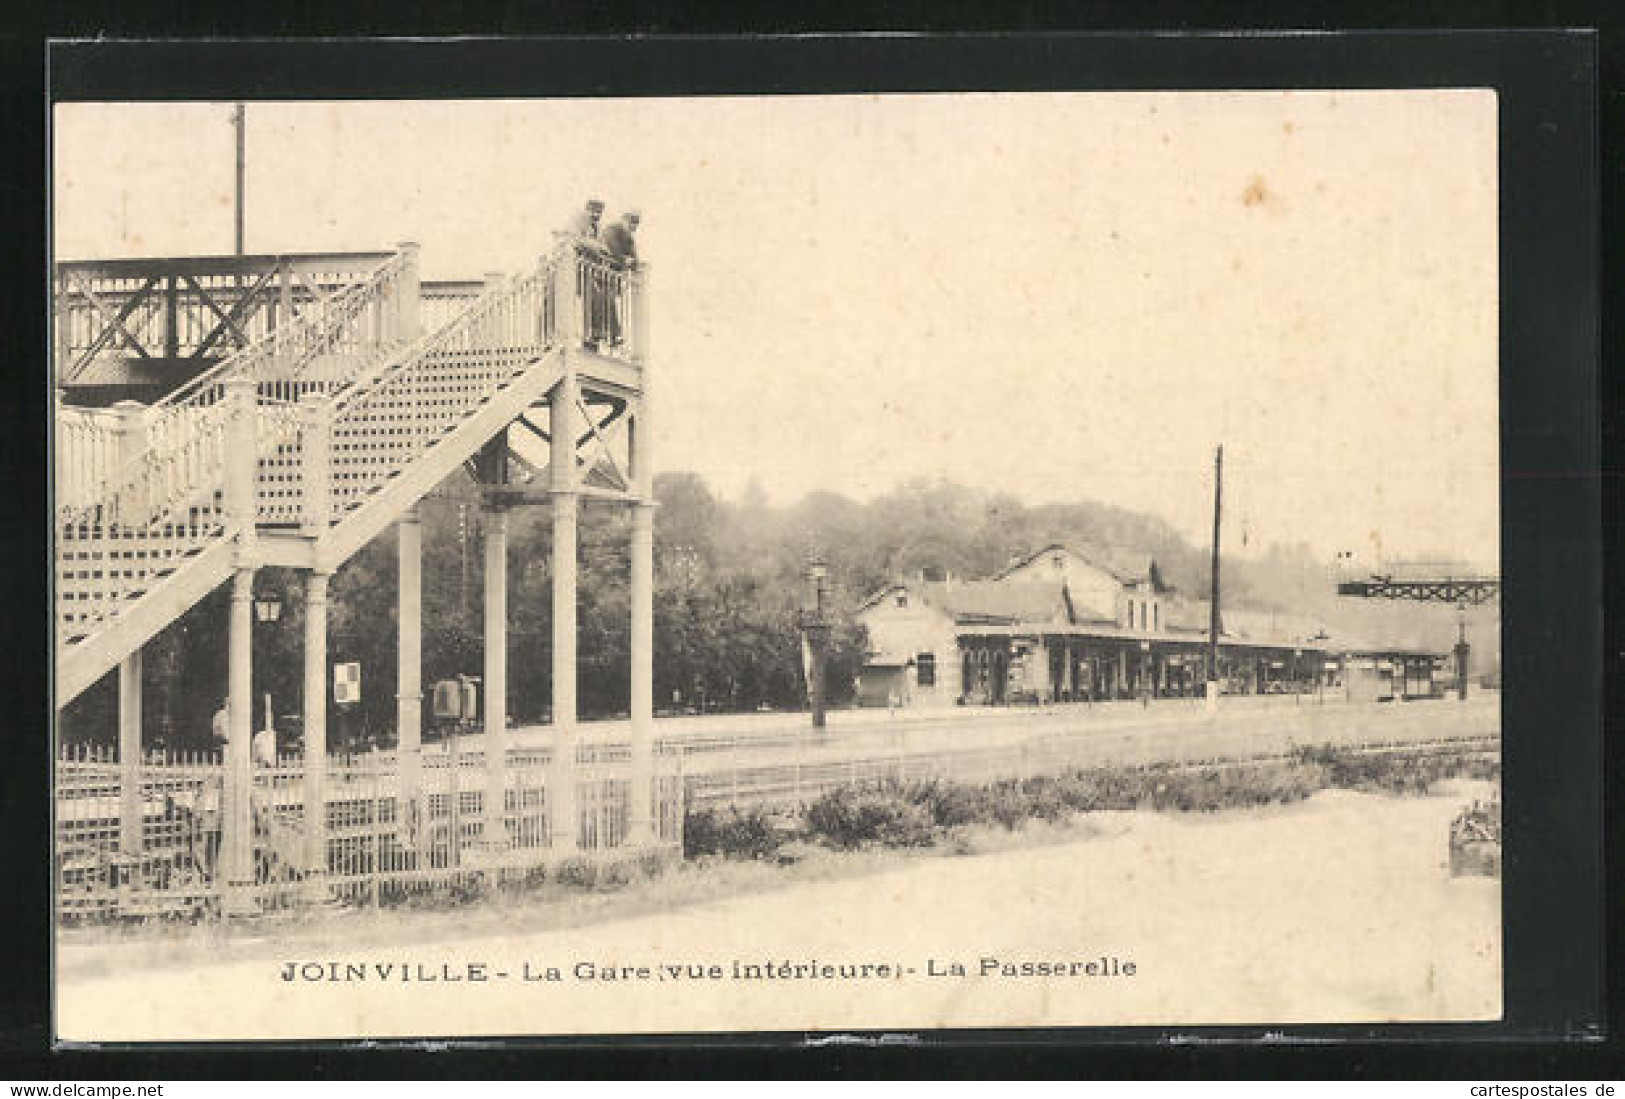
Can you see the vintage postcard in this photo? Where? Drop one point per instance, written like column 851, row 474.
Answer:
column 775, row 563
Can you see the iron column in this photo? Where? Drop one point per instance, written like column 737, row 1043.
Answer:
column 565, row 500
column 496, row 680
column 237, row 829
column 132, row 806
column 641, row 824
column 409, row 657
column 315, row 722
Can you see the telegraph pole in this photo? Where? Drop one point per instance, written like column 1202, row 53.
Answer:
column 237, row 121
column 463, row 524
column 1213, row 610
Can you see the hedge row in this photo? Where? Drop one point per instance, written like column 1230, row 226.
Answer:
column 921, row 814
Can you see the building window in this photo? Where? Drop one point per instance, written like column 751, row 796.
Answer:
column 1142, row 616
column 1154, row 609
column 925, row 669
column 902, row 599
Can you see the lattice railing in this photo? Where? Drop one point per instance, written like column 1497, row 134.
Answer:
column 99, row 569
column 383, row 404
column 146, row 515
column 607, row 297
column 382, row 425
column 189, row 307
column 103, row 562
column 443, row 300
column 326, row 346
column 279, row 476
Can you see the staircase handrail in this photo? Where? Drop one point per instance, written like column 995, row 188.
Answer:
column 181, row 417
column 447, row 334
column 456, row 368
column 299, row 341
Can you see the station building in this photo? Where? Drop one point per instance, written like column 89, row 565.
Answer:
column 1066, row 624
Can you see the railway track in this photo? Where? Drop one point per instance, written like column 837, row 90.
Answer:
column 785, row 776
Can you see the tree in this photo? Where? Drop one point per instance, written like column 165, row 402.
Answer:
column 729, row 600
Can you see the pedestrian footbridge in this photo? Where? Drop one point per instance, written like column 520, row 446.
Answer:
column 325, row 397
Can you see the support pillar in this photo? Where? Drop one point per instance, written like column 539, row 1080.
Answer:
column 132, row 431
column 172, row 329
column 242, row 464
column 132, row 807
column 408, row 293
column 284, row 301
column 315, row 722
column 565, row 500
column 62, row 330
column 642, row 825
column 409, row 670
column 640, row 323
column 316, row 467
column 640, row 829
column 563, row 789
column 237, row 827
column 496, row 681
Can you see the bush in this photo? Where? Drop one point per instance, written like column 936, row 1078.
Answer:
column 1397, row 772
column 1044, row 797
column 620, row 872
column 651, row 864
column 851, row 817
column 922, row 813
column 579, row 872
column 951, row 805
column 1105, row 789
column 730, row 833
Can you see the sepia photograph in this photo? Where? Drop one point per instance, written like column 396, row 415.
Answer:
column 790, row 563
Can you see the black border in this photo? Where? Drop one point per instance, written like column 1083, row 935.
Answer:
column 1546, row 81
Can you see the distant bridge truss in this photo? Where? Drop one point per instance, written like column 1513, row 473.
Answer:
column 1474, row 591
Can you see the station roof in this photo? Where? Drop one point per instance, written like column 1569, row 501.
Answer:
column 996, row 600
column 1125, row 565
column 1003, row 607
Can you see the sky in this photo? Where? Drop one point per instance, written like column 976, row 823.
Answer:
column 1061, row 296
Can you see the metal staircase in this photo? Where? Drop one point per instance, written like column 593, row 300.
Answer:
column 297, row 449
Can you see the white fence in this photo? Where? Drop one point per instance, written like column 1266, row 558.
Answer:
column 166, row 865
column 152, row 848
